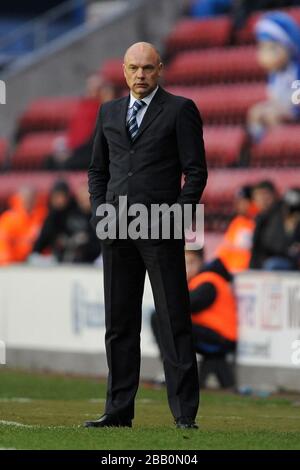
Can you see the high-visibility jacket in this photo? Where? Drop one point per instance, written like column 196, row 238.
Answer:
column 18, row 231
column 235, row 250
column 221, row 316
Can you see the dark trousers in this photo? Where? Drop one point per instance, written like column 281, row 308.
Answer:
column 125, row 263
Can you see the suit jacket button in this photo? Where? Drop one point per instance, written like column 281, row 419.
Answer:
column 132, row 152
column 130, row 173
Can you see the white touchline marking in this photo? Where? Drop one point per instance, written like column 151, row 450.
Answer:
column 14, row 423
column 16, row 400
column 103, row 400
column 34, row 426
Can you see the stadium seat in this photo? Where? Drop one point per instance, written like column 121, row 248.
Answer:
column 194, row 33
column 279, row 147
column 223, row 145
column 3, row 150
column 246, row 34
column 33, row 149
column 42, row 181
column 223, row 184
column 223, row 104
column 112, row 71
column 232, row 64
column 48, row 114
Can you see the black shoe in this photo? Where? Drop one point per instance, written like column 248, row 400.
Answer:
column 108, row 420
column 185, row 422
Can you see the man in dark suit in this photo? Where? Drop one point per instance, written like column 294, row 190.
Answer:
column 143, row 143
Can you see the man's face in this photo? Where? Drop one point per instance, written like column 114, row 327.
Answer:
column 263, row 198
column 272, row 56
column 142, row 70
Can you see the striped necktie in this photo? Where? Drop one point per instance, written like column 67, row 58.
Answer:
column 132, row 124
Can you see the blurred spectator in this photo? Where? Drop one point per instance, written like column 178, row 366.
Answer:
column 20, row 225
column 276, row 241
column 278, row 37
column 213, row 309
column 66, row 230
column 235, row 248
column 242, row 9
column 73, row 152
column 208, row 8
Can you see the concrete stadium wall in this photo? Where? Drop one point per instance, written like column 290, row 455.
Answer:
column 63, row 67
column 53, row 319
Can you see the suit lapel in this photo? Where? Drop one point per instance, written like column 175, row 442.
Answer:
column 121, row 118
column 154, row 108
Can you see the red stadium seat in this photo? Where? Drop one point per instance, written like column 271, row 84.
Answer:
column 112, row 71
column 232, row 64
column 223, row 185
column 42, row 181
column 279, row 147
column 223, row 104
column 33, row 149
column 48, row 114
column 4, row 146
column 218, row 195
column 223, row 145
column 194, row 33
column 246, row 34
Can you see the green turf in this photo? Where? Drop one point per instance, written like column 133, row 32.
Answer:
column 48, row 412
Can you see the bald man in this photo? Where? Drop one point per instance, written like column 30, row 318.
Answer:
column 143, row 143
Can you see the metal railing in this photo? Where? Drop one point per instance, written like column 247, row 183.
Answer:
column 35, row 33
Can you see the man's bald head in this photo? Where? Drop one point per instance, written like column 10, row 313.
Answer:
column 142, row 48
column 142, row 68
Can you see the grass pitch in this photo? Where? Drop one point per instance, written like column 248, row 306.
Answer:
column 40, row 411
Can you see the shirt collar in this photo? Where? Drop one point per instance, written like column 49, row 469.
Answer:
column 147, row 99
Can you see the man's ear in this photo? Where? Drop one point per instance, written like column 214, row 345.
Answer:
column 160, row 66
column 124, row 70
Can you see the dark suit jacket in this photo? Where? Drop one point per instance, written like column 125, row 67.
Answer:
column 149, row 169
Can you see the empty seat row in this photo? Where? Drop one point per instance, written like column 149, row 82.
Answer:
column 223, row 104
column 191, row 33
column 223, row 144
column 217, row 65
column 219, row 104
column 50, row 113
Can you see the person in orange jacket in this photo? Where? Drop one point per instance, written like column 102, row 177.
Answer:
column 213, row 308
column 235, row 248
column 20, row 225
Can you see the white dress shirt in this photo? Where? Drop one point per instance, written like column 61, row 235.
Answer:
column 141, row 113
